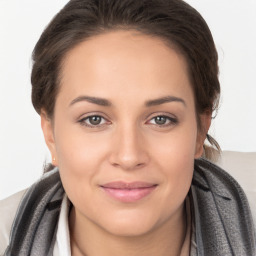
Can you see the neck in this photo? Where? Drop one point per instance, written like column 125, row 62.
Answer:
column 88, row 239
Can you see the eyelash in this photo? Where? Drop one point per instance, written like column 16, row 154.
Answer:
column 172, row 121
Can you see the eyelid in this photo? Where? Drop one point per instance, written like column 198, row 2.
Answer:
column 89, row 114
column 156, row 114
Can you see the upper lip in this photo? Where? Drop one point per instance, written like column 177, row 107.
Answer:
column 128, row 185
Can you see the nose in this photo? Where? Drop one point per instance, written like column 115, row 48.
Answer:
column 129, row 149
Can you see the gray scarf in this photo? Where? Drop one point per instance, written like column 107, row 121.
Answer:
column 222, row 217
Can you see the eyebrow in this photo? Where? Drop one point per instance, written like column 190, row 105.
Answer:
column 163, row 100
column 94, row 100
column 107, row 103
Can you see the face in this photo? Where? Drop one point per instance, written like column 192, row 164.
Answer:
column 124, row 132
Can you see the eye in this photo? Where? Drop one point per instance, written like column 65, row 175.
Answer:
column 163, row 121
column 160, row 120
column 93, row 121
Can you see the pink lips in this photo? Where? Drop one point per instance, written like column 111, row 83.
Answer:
column 128, row 192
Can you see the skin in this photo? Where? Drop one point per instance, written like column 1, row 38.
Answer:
column 127, row 69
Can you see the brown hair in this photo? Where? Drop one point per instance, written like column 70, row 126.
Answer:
column 174, row 21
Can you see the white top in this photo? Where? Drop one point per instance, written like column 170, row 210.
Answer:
column 62, row 244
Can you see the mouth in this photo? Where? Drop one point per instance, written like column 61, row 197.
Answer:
column 128, row 192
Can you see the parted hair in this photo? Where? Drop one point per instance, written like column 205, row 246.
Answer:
column 174, row 21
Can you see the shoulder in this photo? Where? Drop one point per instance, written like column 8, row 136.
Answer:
column 242, row 166
column 219, row 182
column 8, row 209
column 34, row 227
column 221, row 206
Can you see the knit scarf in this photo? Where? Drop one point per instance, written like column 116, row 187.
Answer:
column 222, row 217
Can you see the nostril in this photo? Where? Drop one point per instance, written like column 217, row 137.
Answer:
column 128, row 166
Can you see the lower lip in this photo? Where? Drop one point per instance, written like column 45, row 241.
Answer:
column 129, row 195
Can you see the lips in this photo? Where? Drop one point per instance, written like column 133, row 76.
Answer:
column 128, row 192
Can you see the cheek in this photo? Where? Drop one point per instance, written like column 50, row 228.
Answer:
column 80, row 157
column 76, row 149
column 174, row 154
column 177, row 147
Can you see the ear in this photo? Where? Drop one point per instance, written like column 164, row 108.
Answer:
column 205, row 119
column 48, row 131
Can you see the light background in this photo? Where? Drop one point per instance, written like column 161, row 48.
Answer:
column 22, row 148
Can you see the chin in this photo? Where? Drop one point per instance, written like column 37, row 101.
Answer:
column 129, row 223
column 129, row 229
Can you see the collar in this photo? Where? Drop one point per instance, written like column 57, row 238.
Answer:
column 62, row 244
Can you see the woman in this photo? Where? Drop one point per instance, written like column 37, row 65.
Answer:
column 126, row 90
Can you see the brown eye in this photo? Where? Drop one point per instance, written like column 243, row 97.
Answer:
column 95, row 120
column 161, row 120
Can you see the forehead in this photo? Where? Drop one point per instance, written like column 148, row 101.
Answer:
column 124, row 62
